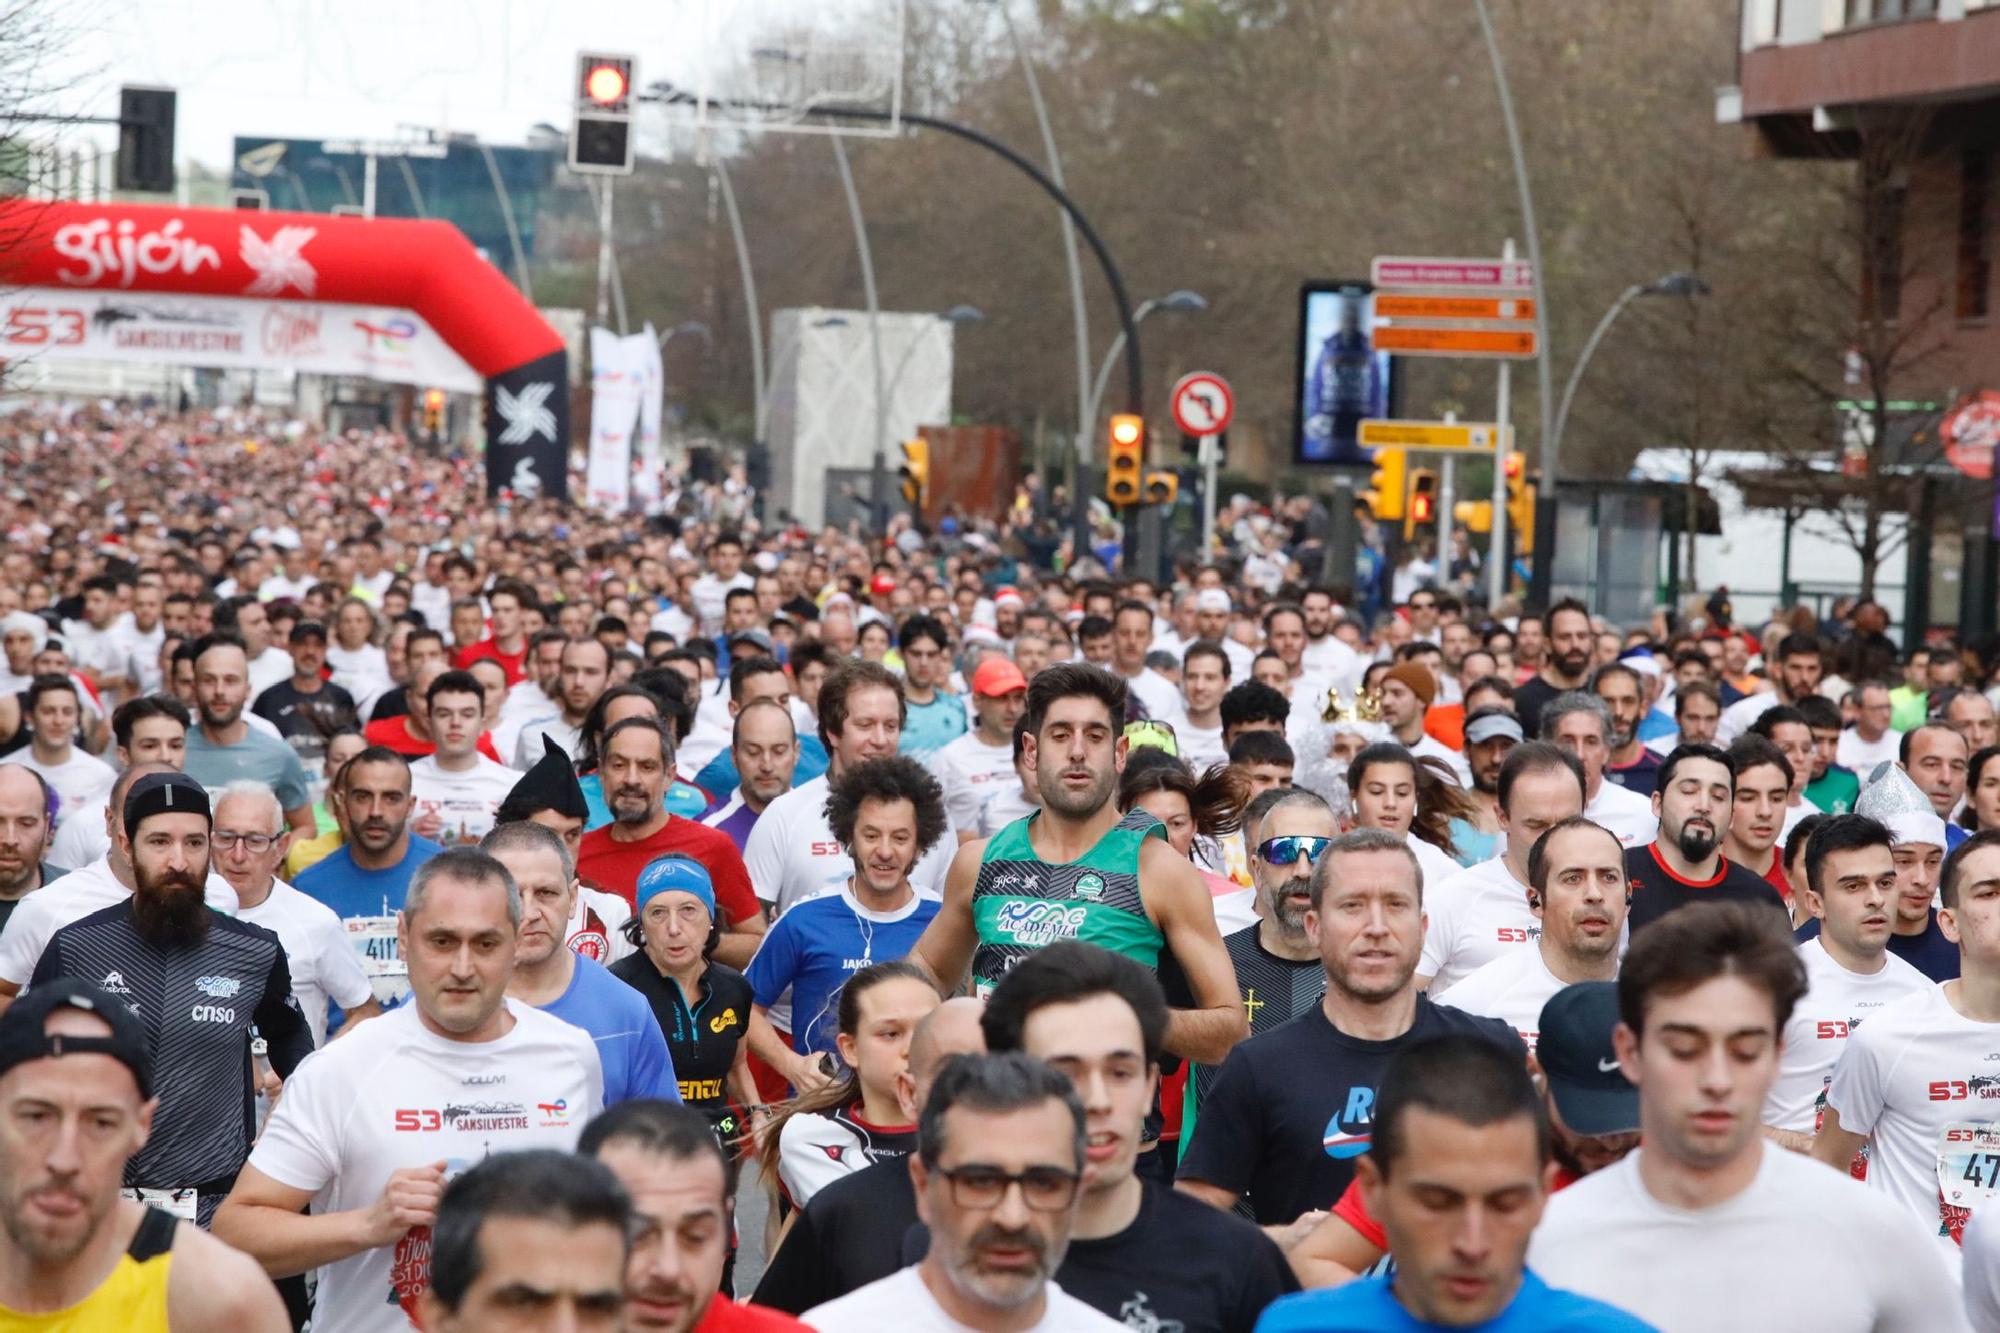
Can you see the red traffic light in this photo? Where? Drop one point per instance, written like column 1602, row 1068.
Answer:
column 434, row 399
column 605, row 84
column 1420, row 507
column 1515, row 464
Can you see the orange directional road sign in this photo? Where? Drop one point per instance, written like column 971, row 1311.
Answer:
column 1505, row 343
column 1390, row 305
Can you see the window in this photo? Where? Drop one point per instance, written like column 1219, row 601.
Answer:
column 1882, row 249
column 1975, row 240
column 1861, row 12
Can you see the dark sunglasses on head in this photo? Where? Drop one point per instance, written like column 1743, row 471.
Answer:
column 1288, row 849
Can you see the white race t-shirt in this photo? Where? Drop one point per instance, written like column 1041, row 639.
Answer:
column 393, row 1094
column 1454, row 762
column 1333, row 658
column 1982, row 1273
column 81, row 782
column 1476, row 916
column 1924, row 1083
column 1436, row 865
column 81, row 839
column 322, row 963
column 1862, row 755
column 596, row 927
column 1628, row 815
column 1740, row 716
column 1835, row 1002
column 902, row 1301
column 792, row 854
column 1201, row 747
column 1157, row 693
column 1851, row 1263
column 972, row 773
column 1512, row 988
column 466, row 801
column 88, row 889
column 1003, row 808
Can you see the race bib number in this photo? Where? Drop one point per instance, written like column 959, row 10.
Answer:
column 180, row 1203
column 373, row 939
column 1968, row 1173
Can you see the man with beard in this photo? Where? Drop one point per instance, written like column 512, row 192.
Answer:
column 365, row 879
column 1630, row 764
column 683, row 1190
column 307, row 708
column 76, row 1102
column 1570, row 641
column 1491, row 733
column 1140, row 1251
column 1681, row 1232
column 582, row 675
column 1576, row 889
column 1593, row 1115
column 224, row 749
column 1077, row 869
column 1801, row 663
column 1292, row 1109
column 1277, row 963
column 24, row 836
column 998, row 1168
column 370, row 1131
column 1685, row 864
column 637, row 766
column 102, row 883
column 200, row 981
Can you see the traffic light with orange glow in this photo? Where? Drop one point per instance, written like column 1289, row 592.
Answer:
column 1520, row 502
column 1388, row 484
column 916, row 472
column 600, row 132
column 1420, row 515
column 1125, row 460
column 434, row 401
column 1161, row 488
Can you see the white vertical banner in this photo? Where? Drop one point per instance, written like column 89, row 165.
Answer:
column 615, row 387
column 652, row 402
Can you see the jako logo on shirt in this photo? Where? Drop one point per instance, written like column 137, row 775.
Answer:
column 1040, row 923
column 218, row 988
column 1091, row 887
column 1348, row 1134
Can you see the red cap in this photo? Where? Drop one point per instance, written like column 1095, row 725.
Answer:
column 997, row 676
column 882, row 585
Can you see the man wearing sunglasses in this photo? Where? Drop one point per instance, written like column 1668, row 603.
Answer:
column 1139, row 1252
column 1277, row 962
column 248, row 843
column 999, row 1160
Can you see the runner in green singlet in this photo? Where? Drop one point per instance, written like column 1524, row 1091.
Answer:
column 1077, row 869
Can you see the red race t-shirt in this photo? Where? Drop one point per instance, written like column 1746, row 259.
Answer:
column 616, row 865
column 1350, row 1209
column 515, row 664
column 394, row 733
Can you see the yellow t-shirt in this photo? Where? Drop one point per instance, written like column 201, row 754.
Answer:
column 311, row 851
column 133, row 1299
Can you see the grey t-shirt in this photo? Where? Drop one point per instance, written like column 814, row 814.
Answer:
column 257, row 757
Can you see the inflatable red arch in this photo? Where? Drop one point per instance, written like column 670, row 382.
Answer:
column 425, row 266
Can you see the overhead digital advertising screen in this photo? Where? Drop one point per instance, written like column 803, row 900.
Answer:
column 1342, row 379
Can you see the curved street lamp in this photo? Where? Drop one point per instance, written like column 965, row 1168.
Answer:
column 958, row 314
column 1680, row 283
column 1180, row 301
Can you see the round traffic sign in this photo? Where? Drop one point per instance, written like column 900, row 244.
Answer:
column 1971, row 430
column 1203, row 404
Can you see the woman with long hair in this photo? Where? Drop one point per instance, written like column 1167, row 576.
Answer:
column 855, row 1120
column 1982, row 791
column 703, row 1006
column 1196, row 811
column 1415, row 799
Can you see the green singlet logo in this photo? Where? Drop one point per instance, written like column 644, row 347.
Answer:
column 1090, row 887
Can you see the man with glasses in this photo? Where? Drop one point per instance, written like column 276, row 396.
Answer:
column 1277, row 962
column 249, row 842
column 1000, row 1155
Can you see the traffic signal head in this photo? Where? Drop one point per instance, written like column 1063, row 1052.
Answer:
column 916, row 471
column 1422, row 509
column 600, row 139
column 1161, row 488
column 1388, row 483
column 434, row 400
column 1520, row 502
column 1125, row 459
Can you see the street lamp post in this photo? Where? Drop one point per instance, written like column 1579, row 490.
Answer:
column 1673, row 284
column 1180, row 300
column 693, row 326
column 958, row 314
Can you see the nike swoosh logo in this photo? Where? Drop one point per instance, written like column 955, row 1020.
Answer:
column 1606, row 1066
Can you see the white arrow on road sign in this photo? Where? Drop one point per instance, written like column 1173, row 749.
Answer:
column 1203, row 404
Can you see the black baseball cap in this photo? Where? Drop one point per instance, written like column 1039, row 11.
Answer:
column 1591, row 1092
column 24, row 1034
column 308, row 629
